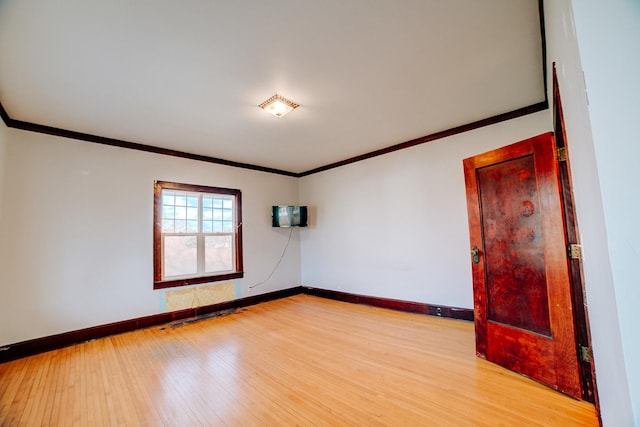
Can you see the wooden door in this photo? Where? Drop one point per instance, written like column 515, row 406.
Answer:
column 521, row 284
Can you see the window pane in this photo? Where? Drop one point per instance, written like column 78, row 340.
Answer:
column 218, row 255
column 181, row 226
column 207, row 213
column 192, row 200
column 227, row 204
column 180, row 255
column 217, row 226
column 180, row 212
column 207, row 226
column 217, row 214
column 192, row 213
column 217, row 203
column 167, row 226
column 227, row 226
column 181, row 199
column 227, row 215
column 168, row 212
column 168, row 197
column 206, row 201
column 192, row 226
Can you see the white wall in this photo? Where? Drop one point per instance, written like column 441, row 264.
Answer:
column 3, row 145
column 396, row 226
column 76, row 232
column 608, row 37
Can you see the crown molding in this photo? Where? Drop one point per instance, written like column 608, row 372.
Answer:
column 530, row 109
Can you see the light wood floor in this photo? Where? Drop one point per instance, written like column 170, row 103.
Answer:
column 297, row 361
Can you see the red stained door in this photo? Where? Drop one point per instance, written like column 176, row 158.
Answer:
column 522, row 291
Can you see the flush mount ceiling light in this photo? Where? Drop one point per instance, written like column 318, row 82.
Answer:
column 278, row 105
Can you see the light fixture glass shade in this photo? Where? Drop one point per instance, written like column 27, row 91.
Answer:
column 278, row 105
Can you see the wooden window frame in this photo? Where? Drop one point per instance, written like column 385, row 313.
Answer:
column 158, row 281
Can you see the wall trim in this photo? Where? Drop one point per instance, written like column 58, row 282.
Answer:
column 394, row 304
column 70, row 134
column 64, row 133
column 65, row 339
column 543, row 40
column 530, row 109
column 53, row 342
column 5, row 117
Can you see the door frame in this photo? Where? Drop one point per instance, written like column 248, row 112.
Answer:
column 581, row 317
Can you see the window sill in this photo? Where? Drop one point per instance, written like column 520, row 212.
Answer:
column 196, row 280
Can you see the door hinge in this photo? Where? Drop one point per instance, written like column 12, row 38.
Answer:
column 575, row 251
column 562, row 154
column 585, row 353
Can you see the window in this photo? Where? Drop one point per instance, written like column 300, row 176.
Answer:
column 197, row 234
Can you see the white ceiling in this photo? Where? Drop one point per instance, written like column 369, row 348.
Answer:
column 188, row 75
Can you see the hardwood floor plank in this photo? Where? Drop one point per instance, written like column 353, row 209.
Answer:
column 10, row 384
column 301, row 360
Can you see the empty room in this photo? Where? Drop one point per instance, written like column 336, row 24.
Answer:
column 319, row 213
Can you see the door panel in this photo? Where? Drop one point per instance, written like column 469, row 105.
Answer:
column 522, row 292
column 516, row 284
